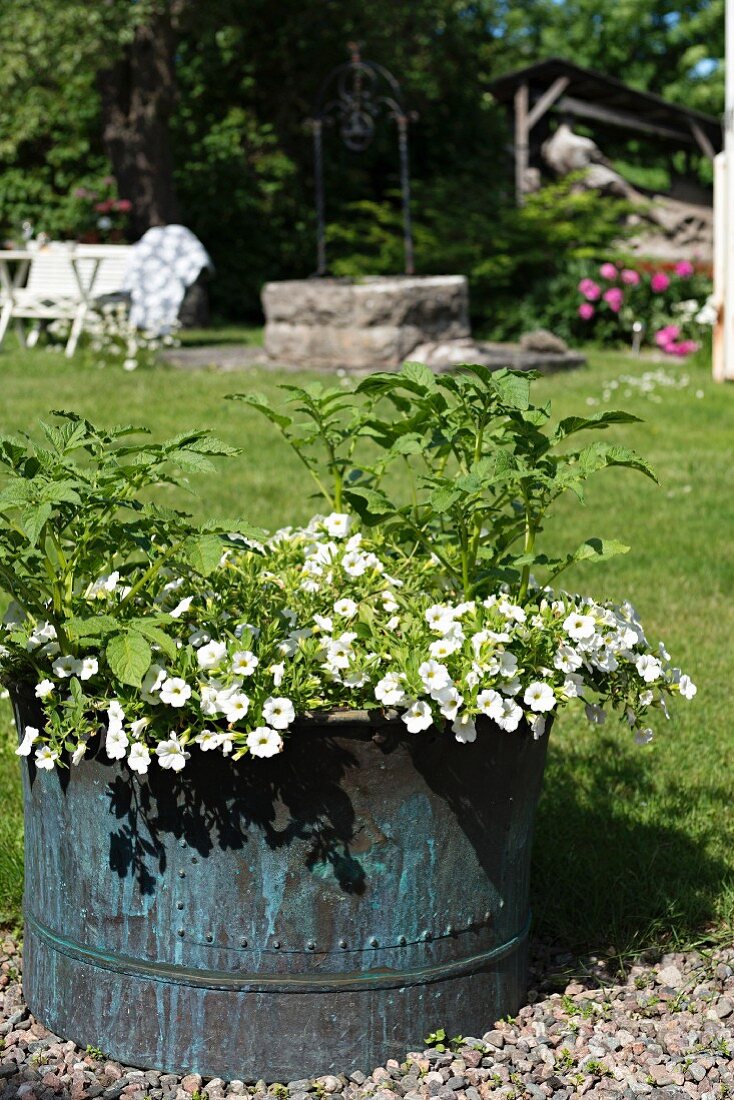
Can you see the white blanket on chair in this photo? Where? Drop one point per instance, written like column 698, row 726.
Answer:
column 163, row 264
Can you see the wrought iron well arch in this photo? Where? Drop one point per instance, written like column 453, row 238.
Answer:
column 354, row 94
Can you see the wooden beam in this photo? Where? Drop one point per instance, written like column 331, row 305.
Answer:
column 703, row 142
column 521, row 142
column 624, row 119
column 547, row 99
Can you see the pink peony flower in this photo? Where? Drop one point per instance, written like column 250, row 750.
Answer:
column 586, row 311
column 103, row 207
column 124, row 206
column 614, row 298
column 608, row 271
column 683, row 348
column 590, row 290
column 684, row 268
column 666, row 336
column 630, row 276
column 659, row 282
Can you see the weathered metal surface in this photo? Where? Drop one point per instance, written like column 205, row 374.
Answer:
column 319, row 911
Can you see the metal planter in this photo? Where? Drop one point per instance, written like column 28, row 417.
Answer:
column 320, row 911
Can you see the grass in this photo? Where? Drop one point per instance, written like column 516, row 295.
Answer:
column 635, row 846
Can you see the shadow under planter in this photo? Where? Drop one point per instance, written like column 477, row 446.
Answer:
column 319, row 911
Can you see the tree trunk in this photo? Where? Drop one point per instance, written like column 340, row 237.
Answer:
column 138, row 96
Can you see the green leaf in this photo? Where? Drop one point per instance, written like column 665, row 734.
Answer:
column 93, row 627
column 129, row 657
column 33, row 520
column 159, row 637
column 598, row 456
column 598, row 421
column 444, row 498
column 203, row 553
column 513, row 387
column 371, row 505
column 260, row 402
column 599, row 550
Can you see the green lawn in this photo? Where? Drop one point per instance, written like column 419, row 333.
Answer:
column 635, row 846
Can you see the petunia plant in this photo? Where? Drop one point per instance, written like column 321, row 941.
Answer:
column 419, row 592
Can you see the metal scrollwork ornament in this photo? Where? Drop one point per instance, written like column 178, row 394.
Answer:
column 354, row 95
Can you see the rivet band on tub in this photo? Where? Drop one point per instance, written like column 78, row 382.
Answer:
column 379, row 977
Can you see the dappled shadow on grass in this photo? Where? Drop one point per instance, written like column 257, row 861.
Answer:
column 616, row 868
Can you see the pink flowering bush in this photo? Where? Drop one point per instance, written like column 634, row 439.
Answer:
column 666, row 307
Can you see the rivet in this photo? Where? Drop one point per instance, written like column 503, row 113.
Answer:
column 402, row 941
column 342, row 943
column 488, row 915
column 243, row 942
column 276, row 944
column 311, row 945
column 449, row 929
column 427, row 935
column 179, row 905
column 209, row 937
column 194, row 859
column 181, row 932
column 182, row 874
column 182, row 843
column 373, row 942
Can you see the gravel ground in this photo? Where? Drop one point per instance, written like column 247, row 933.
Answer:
column 665, row 1032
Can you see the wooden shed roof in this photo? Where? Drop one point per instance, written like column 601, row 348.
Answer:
column 590, row 94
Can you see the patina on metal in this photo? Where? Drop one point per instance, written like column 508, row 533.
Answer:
column 354, row 95
column 319, row 911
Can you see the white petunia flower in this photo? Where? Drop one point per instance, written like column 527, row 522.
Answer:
column 116, row 742
column 324, row 622
column 337, row 525
column 538, row 726
column 139, row 758
column 244, row 663
column 579, row 627
column 434, row 675
column 78, row 753
column 211, row 655
column 103, row 586
column 355, row 563
column 418, row 716
column 87, row 667
column 43, row 689
column 648, row 667
column 643, row 737
column 277, row 672
column 175, row 691
column 182, row 607
column 171, row 754
column 511, row 716
column 491, row 703
column 199, row 637
column 151, row 685
column 346, row 608
column 236, row 706
column 65, row 666
column 46, row 758
column 512, row 611
column 687, row 687
column 440, row 618
column 444, row 647
column 30, row 736
column 389, row 690
column 209, row 739
column 465, row 730
column 115, row 714
column 449, row 701
column 278, row 713
column 539, row 696
column 567, row 659
column 595, row 714
column 264, row 742
column 137, row 727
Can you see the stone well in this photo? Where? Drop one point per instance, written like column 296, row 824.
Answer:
column 372, row 323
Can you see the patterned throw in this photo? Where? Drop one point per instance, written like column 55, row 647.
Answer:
column 163, row 264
